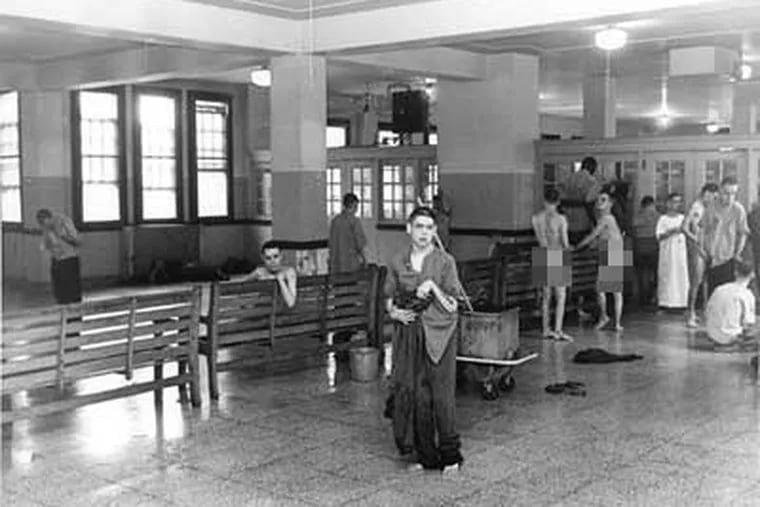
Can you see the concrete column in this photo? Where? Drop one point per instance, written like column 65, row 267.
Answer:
column 745, row 108
column 46, row 167
column 599, row 94
column 486, row 134
column 299, row 156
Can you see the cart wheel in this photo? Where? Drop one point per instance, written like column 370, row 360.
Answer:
column 488, row 391
column 506, row 383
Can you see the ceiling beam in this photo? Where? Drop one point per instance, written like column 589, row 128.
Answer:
column 18, row 76
column 428, row 62
column 161, row 21
column 446, row 21
column 136, row 65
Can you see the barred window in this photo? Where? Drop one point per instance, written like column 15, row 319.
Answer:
column 10, row 159
column 334, row 192
column 158, row 168
column 99, row 156
column 211, row 155
column 399, row 195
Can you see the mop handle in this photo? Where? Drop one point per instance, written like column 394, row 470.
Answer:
column 459, row 286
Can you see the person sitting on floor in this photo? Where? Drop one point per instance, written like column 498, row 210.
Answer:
column 274, row 270
column 730, row 315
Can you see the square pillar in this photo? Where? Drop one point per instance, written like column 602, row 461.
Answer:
column 299, row 156
column 486, row 134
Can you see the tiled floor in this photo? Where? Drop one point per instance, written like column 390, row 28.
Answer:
column 681, row 427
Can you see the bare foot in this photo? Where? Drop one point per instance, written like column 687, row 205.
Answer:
column 561, row 336
column 602, row 322
column 456, row 467
column 415, row 467
column 618, row 328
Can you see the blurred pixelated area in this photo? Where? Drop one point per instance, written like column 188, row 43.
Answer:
column 614, row 258
column 551, row 268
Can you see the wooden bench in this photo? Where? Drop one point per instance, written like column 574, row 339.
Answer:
column 254, row 313
column 51, row 347
column 507, row 280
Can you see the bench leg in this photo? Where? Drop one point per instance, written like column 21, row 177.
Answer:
column 213, row 380
column 182, row 388
column 158, row 374
column 195, row 384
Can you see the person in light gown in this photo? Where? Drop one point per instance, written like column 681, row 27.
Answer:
column 673, row 268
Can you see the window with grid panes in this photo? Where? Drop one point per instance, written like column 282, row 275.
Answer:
column 399, row 195
column 669, row 176
column 99, row 154
column 334, row 192
column 361, row 185
column 430, row 179
column 158, row 174
column 10, row 158
column 716, row 170
column 213, row 167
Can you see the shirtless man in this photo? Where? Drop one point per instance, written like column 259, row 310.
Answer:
column 274, row 270
column 611, row 260
column 694, row 230
column 550, row 228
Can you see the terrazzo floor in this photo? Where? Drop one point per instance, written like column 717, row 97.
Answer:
column 680, row 427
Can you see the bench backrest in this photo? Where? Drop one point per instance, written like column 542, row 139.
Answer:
column 49, row 346
column 246, row 311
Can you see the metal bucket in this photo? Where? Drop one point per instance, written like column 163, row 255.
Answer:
column 489, row 335
column 365, row 363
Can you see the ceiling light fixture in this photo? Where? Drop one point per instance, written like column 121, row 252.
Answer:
column 262, row 77
column 712, row 128
column 610, row 39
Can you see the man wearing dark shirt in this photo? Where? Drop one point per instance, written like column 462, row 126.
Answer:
column 347, row 242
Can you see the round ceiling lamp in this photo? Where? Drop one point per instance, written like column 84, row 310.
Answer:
column 261, row 77
column 610, row 39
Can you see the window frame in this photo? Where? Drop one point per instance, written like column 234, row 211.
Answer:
column 192, row 155
column 137, row 153
column 11, row 224
column 76, row 154
column 416, row 167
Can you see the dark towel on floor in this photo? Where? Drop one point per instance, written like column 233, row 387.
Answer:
column 601, row 356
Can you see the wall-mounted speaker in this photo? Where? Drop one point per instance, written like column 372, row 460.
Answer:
column 410, row 111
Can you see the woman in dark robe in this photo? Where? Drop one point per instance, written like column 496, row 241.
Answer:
column 420, row 289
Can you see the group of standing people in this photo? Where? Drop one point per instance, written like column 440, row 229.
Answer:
column 594, row 215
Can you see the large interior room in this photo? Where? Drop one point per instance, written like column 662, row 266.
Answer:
column 380, row 252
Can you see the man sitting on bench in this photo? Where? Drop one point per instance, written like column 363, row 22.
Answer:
column 730, row 314
column 274, row 270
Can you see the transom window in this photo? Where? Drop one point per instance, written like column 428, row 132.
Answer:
column 334, row 193
column 670, row 178
column 716, row 170
column 99, row 156
column 361, row 183
column 10, row 159
column 399, row 193
column 158, row 171
column 211, row 155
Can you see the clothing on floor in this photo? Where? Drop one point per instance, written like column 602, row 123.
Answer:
column 601, row 356
column 730, row 309
column 673, row 269
column 66, row 280
column 346, row 243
